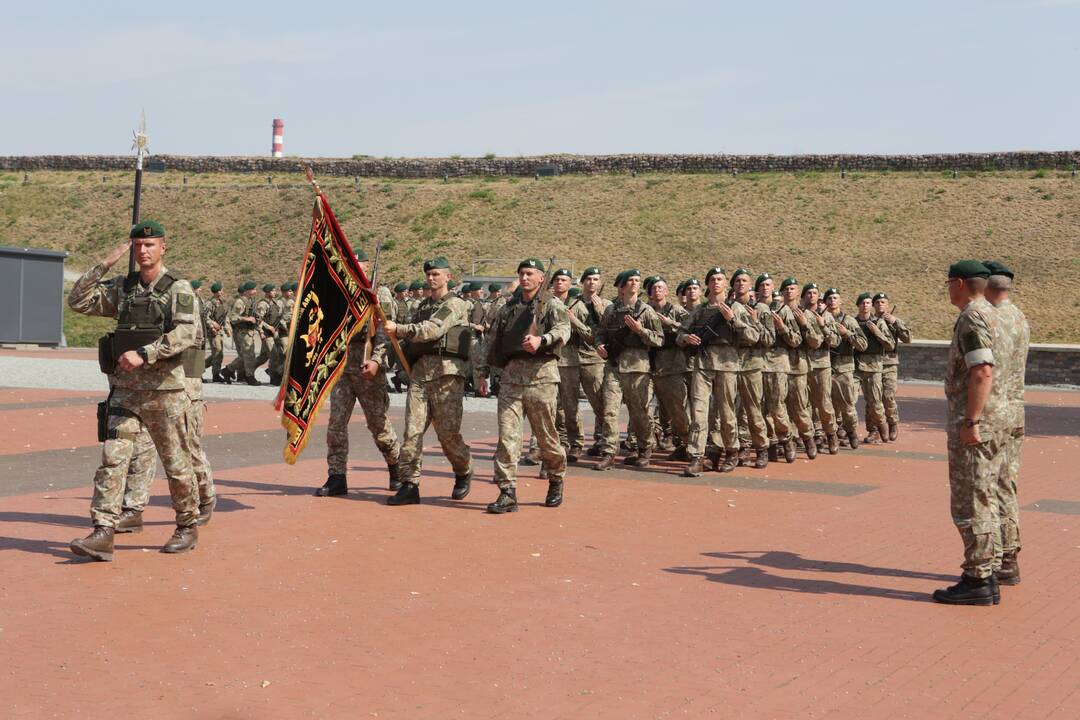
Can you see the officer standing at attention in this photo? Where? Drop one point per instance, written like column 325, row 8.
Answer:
column 1017, row 336
column 974, row 429
column 438, row 350
column 525, row 341
column 156, row 316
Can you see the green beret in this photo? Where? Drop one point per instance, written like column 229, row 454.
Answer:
column 268, row 287
column 648, row 282
column 283, row 286
column 416, row 285
column 452, row 284
column 196, row 284
column 573, row 292
column 215, row 287
column 400, row 287
column 879, row 296
column 625, row 275
column 997, row 268
column 690, row 281
column 966, row 269
column 439, row 263
column 530, row 263
column 589, row 271
column 147, row 229
column 360, row 254
column 561, row 272
column 249, row 285
column 809, row 286
column 788, row 282
column 776, row 295
column 715, row 271
column 830, row 291
column 737, row 273
column 494, row 287
column 863, row 296
column 762, row 278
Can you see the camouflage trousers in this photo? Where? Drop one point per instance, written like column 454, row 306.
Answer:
column 437, row 402
column 774, row 408
column 592, row 382
column 263, row 345
column 820, row 383
column 635, row 390
column 278, row 347
column 143, row 465
column 672, row 392
column 374, row 401
column 569, row 391
column 217, row 353
column 844, row 395
column 164, row 415
column 537, row 403
column 244, row 364
column 888, row 394
column 611, row 399
column 721, row 387
column 973, row 480
column 750, row 394
column 798, row 404
column 870, row 382
column 1008, row 505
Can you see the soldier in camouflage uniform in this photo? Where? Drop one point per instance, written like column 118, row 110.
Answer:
column 280, row 316
column 751, row 364
column 868, row 366
column 242, row 320
column 628, row 328
column 1016, row 335
column 671, row 369
column 525, row 340
column 217, row 312
column 266, row 315
column 780, row 333
column 584, row 314
column 852, row 340
column 363, row 380
column 437, row 391
column 819, row 377
column 975, row 431
column 148, row 384
column 890, row 364
column 798, row 397
column 569, row 363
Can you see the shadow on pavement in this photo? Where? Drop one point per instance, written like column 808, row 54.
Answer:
column 45, row 518
column 783, row 560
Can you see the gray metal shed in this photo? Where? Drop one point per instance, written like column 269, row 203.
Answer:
column 31, row 295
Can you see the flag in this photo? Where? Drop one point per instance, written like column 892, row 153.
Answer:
column 333, row 301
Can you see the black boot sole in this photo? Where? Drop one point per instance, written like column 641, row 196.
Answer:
column 502, row 510
column 324, row 492
column 178, row 551
column 455, row 495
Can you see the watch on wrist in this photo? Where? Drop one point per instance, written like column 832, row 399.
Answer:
column 968, row 422
column 141, row 352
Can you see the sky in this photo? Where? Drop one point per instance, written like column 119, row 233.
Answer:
column 514, row 78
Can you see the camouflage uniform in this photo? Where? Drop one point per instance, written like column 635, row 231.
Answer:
column 777, row 365
column 973, row 469
column 798, row 397
column 529, row 385
column 266, row 311
column 568, row 418
column 630, row 370
column 151, row 398
column 217, row 311
column 671, row 373
column 280, row 319
column 437, row 392
column 244, row 336
column 890, row 366
column 591, row 369
column 819, row 377
column 1012, row 364
column 868, row 365
column 751, row 364
column 844, row 393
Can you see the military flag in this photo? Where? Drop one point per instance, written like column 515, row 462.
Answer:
column 334, row 300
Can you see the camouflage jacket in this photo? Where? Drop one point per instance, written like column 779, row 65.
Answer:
column 776, row 344
column 635, row 356
column 830, row 338
column 726, row 356
column 443, row 314
column 869, row 360
column 1016, row 336
column 976, row 340
column 671, row 359
column 217, row 311
column 843, row 354
column 584, row 322
column 554, row 329
column 901, row 334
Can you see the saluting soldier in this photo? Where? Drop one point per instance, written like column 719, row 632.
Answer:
column 156, row 332
column 671, row 369
column 798, row 397
column 525, row 341
column 780, row 334
column 438, row 341
column 751, row 363
column 852, row 341
column 868, row 367
column 819, row 377
column 890, row 364
column 974, row 429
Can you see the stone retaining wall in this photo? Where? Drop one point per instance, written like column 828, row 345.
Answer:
column 582, row 164
column 1047, row 364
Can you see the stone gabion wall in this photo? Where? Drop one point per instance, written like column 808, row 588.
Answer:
column 578, row 164
column 1047, row 364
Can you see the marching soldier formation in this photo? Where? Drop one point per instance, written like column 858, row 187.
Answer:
column 730, row 371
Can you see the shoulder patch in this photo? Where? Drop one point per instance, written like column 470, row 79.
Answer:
column 185, row 302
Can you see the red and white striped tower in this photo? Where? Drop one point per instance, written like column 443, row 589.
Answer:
column 279, row 131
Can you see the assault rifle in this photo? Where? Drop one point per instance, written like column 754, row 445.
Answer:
column 615, row 339
column 716, row 328
column 541, row 299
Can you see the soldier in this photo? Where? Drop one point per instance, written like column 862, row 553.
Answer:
column 974, row 429
column 416, row 296
column 242, row 320
column 266, row 315
column 477, row 313
column 868, row 366
column 438, row 350
column 780, row 333
column 584, row 316
column 751, row 363
column 798, row 397
column 525, row 340
column 628, row 328
column 155, row 335
column 569, row 363
column 890, row 364
column 401, row 299
column 671, row 369
column 819, row 377
column 852, row 340
column 217, row 312
column 363, row 380
column 691, row 294
column 280, row 317
column 1016, row 335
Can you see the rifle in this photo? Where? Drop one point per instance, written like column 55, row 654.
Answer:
column 541, row 299
column 717, row 327
column 615, row 342
column 139, row 145
column 371, row 317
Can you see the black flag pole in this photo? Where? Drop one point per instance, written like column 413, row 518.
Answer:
column 140, row 146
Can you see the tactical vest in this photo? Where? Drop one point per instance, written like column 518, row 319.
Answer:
column 713, row 331
column 670, row 331
column 273, row 314
column 844, row 348
column 873, row 345
column 454, row 343
column 617, row 330
column 516, row 322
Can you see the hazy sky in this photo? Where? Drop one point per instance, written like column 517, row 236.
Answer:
column 513, row 78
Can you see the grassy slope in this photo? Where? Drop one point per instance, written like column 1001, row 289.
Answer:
column 895, row 232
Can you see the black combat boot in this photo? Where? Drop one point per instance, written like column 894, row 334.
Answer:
column 97, row 545
column 506, row 502
column 883, row 433
column 970, row 591
column 594, row 451
column 894, row 432
column 335, row 485
column 834, row 444
column 554, row 494
column 407, row 494
column 643, row 458
column 250, row 380
column 872, row 437
column 218, row 378
column 395, row 481
column 713, row 458
column 1009, row 574
column 811, row 447
column 744, row 457
column 789, row 450
column 227, row 376
column 182, row 540
column 681, row 454
column 774, row 452
column 694, row 469
column 130, row 521
column 853, row 439
column 731, row 461
column 462, row 485
column 572, row 454
column 762, row 458
column 206, row 511
column 606, row 461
